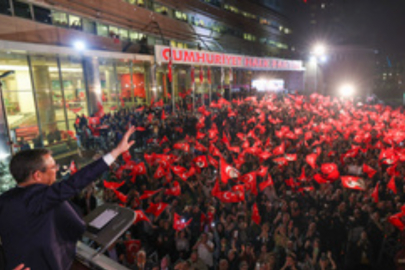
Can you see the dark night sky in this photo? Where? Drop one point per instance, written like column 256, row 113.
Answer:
column 378, row 24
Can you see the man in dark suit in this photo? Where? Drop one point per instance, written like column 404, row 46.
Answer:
column 38, row 227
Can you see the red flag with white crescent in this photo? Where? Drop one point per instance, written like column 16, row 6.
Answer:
column 140, row 216
column 175, row 190
column 353, row 182
column 268, row 182
column 375, row 193
column 227, row 171
column 179, row 223
column 156, row 209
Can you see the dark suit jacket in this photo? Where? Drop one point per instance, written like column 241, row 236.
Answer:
column 38, row 227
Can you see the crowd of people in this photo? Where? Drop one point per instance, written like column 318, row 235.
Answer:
column 263, row 182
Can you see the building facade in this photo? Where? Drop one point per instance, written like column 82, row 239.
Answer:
column 46, row 82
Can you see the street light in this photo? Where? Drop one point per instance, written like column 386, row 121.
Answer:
column 79, row 45
column 347, row 90
column 318, row 55
column 319, row 50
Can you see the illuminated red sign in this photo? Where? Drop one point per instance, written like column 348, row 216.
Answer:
column 193, row 57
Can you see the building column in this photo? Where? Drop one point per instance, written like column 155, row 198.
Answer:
column 44, row 98
column 93, row 85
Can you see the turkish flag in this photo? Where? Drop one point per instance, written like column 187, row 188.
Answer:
column 156, row 209
column 163, row 140
column 123, row 198
column 353, row 182
column 319, row 179
column 175, row 190
column 139, row 169
column 375, row 193
column 330, row 170
column 132, row 247
column 178, row 169
column 368, row 170
column 192, row 75
column 201, row 161
column 216, row 190
column 113, row 185
column 140, row 129
column 182, row 146
column 227, row 171
column 392, row 186
column 264, row 155
column 396, row 220
column 163, row 115
column 255, row 214
column 209, row 75
column 149, row 193
column 229, row 197
column 311, row 160
column 160, row 172
column 201, row 75
column 179, row 223
column 214, row 151
column 279, row 150
column 126, row 156
column 267, row 183
column 184, row 176
column 302, row 177
column 250, row 182
column 72, row 167
column 140, row 216
column 159, row 103
column 199, row 147
column 262, row 171
column 200, row 135
column 213, row 162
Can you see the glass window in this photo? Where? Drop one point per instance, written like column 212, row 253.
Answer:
column 89, row 26
column 123, row 34
column 42, row 15
column 60, row 18
column 74, row 88
column 109, row 84
column 124, row 82
column 180, row 15
column 132, row 2
column 5, row 7
column 18, row 97
column 51, row 108
column 22, row 10
column 135, row 36
column 75, row 22
column 102, row 30
column 141, row 3
column 161, row 9
column 138, row 81
column 113, row 31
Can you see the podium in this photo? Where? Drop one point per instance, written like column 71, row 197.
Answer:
column 105, row 225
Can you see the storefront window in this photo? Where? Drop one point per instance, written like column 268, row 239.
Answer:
column 102, row 30
column 74, row 88
column 60, row 18
column 138, row 81
column 51, row 108
column 22, row 10
column 124, row 82
column 75, row 22
column 18, row 97
column 249, row 37
column 109, row 84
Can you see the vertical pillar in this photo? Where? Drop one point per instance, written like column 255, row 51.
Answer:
column 92, row 80
column 150, row 83
column 42, row 86
column 172, row 86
